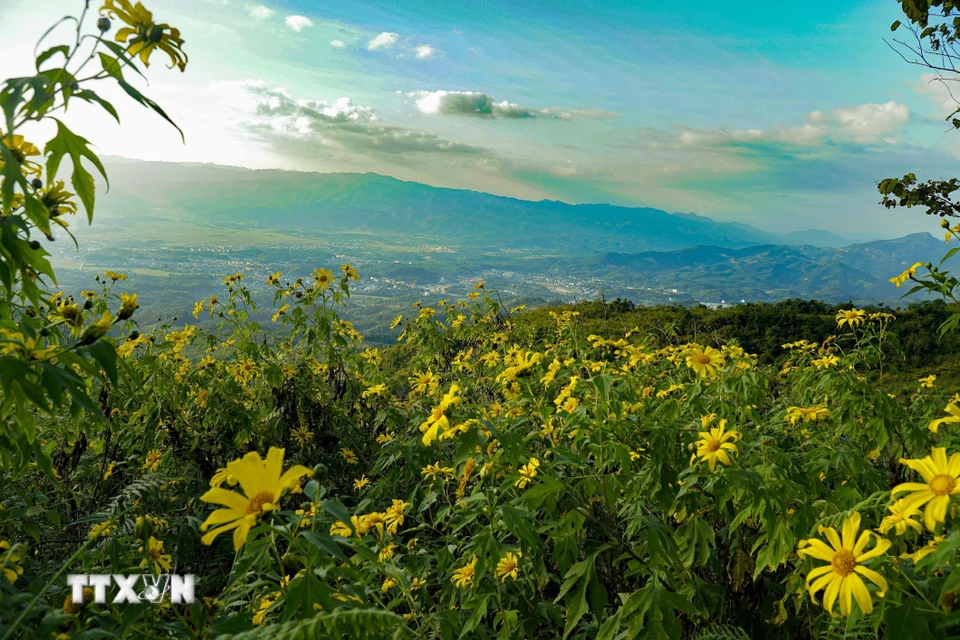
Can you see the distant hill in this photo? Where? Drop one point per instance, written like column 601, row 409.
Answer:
column 773, row 272
column 314, row 204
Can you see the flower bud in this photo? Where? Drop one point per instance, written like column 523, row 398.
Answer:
column 34, row 244
column 134, row 335
column 96, row 330
column 88, row 304
column 36, row 183
column 944, row 224
column 321, row 472
column 143, row 528
column 103, row 24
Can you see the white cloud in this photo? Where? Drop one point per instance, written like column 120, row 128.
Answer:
column 260, row 12
column 298, row 23
column 478, row 104
column 869, row 122
column 865, row 123
column 383, row 41
column 424, row 51
column 342, row 127
column 339, row 44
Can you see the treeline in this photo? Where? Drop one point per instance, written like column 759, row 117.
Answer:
column 762, row 328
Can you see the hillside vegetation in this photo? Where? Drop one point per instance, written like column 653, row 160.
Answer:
column 769, row 471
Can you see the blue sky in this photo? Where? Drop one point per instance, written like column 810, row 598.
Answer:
column 780, row 116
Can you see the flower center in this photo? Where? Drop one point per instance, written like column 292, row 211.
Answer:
column 943, row 484
column 843, row 562
column 704, row 359
column 713, row 446
column 257, row 502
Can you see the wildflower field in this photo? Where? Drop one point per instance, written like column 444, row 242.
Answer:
column 482, row 478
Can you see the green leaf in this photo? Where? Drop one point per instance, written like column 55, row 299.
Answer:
column 338, row 511
column 67, row 143
column 106, row 355
column 91, row 97
column 52, row 51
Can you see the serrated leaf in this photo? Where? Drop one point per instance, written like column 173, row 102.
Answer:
column 67, row 143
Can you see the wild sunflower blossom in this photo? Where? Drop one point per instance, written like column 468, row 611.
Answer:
column 842, row 577
column 262, row 481
column 160, row 561
column 850, row 317
column 438, row 422
column 463, row 577
column 143, row 35
column 715, row 444
column 704, row 361
column 508, row 566
column 807, row 414
column 900, row 518
column 22, row 150
column 953, row 418
column 940, row 477
column 906, row 275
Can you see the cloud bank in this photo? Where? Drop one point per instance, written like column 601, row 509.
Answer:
column 481, row 105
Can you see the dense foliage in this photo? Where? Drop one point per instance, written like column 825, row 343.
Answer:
column 493, row 474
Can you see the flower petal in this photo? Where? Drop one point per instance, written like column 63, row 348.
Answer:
column 873, row 577
column 859, row 591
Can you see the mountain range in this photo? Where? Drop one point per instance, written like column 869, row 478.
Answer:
column 181, row 227
column 313, row 204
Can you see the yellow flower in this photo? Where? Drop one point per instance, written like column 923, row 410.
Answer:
column 262, row 482
column 704, row 361
column 379, row 390
column 101, row 530
column 928, row 381
column 479, row 285
column 349, row 456
column 393, row 516
column 507, row 567
column 22, row 150
column 906, row 275
column 396, row 321
column 388, row 584
column 901, row 517
column 714, row 445
column 274, row 278
column 939, row 483
column 143, row 35
column 846, row 557
column 109, row 470
column 221, row 476
column 152, row 463
column 197, row 308
column 128, row 304
column 350, row 272
column 953, row 418
column 301, row 435
column 852, row 317
column 265, row 605
column 361, row 482
column 155, row 556
column 924, row 551
column 808, row 414
column 434, row 470
column 826, row 362
column 56, row 196
column 9, row 561
column 384, row 438
column 322, row 278
column 438, row 421
column 281, row 311
column 527, row 473
column 463, row 577
column 424, row 381
column 386, row 552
